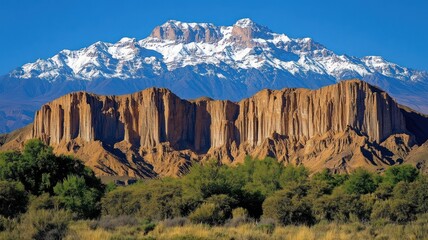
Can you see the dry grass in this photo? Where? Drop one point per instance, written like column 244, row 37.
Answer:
column 249, row 231
column 81, row 230
column 329, row 231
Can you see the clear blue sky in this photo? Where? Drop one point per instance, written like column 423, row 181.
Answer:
column 396, row 30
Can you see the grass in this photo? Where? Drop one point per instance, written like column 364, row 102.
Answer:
column 249, row 231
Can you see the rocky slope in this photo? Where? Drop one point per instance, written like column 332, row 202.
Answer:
column 195, row 60
column 155, row 133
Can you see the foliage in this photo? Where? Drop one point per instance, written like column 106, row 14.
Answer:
column 153, row 200
column 215, row 210
column 78, row 197
column 293, row 174
column 263, row 194
column 41, row 225
column 397, row 210
column 339, row 206
column 396, row 174
column 39, row 170
column 360, row 182
column 44, row 201
column 288, row 207
column 418, row 194
column 13, row 199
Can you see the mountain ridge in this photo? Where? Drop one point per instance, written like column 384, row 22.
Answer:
column 200, row 59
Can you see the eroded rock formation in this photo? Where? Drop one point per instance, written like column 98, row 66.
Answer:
column 153, row 132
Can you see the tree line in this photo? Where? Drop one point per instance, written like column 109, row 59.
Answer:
column 257, row 190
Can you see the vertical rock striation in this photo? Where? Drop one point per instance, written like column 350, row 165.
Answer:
column 155, row 121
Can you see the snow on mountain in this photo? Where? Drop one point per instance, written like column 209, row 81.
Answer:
column 176, row 44
column 195, row 59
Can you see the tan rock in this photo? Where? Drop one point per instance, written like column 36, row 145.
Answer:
column 154, row 133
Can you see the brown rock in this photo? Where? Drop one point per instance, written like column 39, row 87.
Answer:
column 154, row 133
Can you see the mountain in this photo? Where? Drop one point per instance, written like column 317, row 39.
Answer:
column 195, row 60
column 155, row 133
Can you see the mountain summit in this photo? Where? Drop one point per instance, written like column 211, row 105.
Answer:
column 199, row 59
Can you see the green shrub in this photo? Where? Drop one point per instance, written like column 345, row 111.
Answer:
column 395, row 174
column 397, row 210
column 13, row 199
column 44, row 201
column 7, row 224
column 214, row 211
column 153, row 200
column 206, row 213
column 43, row 225
column 324, row 182
column 360, row 182
column 39, row 170
column 121, row 201
column 76, row 196
column 288, row 207
column 266, row 225
column 291, row 173
column 339, row 206
column 418, row 194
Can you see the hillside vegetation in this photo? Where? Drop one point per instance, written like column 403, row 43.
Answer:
column 43, row 196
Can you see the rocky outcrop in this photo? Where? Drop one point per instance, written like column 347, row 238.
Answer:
column 245, row 30
column 186, row 33
column 153, row 132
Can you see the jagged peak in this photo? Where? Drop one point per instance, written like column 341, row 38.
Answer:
column 245, row 22
column 184, row 26
column 127, row 40
column 250, row 24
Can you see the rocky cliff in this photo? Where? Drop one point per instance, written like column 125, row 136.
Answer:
column 153, row 132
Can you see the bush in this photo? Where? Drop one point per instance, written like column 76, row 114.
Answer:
column 418, row 194
column 397, row 210
column 239, row 217
column 261, row 176
column 324, row 182
column 152, row 200
column 210, row 179
column 121, row 201
column 267, row 225
column 360, row 182
column 7, row 224
column 44, row 201
column 214, row 211
column 43, row 225
column 340, row 206
column 290, row 174
column 396, row 174
column 161, row 200
column 288, row 207
column 78, row 197
column 39, row 170
column 13, row 199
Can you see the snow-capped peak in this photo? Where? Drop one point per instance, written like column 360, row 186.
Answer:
column 245, row 22
column 175, row 44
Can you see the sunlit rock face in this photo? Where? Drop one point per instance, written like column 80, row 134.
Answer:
column 339, row 126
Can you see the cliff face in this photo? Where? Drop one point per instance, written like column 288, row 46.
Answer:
column 154, row 132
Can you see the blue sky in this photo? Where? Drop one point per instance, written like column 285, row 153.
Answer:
column 396, row 30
